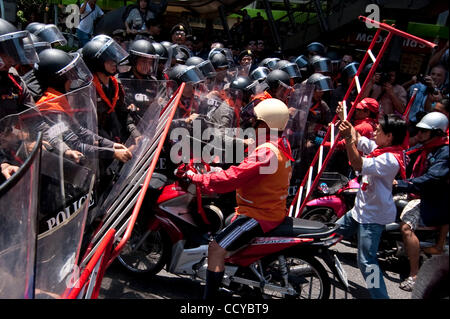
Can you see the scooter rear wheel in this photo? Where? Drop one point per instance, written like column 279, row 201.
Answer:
column 306, row 276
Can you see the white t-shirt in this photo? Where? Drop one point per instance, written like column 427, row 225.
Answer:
column 87, row 18
column 375, row 204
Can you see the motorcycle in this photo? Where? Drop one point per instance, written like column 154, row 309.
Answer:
column 335, row 196
column 177, row 226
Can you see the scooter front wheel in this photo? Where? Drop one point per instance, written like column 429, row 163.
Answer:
column 145, row 253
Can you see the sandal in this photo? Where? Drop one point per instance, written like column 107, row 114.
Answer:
column 408, row 284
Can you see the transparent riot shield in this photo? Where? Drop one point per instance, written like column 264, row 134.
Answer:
column 124, row 192
column 20, row 152
column 298, row 103
column 223, row 78
column 67, row 187
column 211, row 133
column 142, row 94
column 244, row 70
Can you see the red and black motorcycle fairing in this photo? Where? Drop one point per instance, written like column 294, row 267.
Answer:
column 174, row 229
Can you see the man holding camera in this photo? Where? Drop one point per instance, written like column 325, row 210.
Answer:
column 430, row 90
column 390, row 95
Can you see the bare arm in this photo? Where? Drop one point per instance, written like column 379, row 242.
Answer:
column 398, row 104
column 351, row 140
column 436, row 58
column 83, row 7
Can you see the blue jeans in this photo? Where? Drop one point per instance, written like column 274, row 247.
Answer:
column 83, row 38
column 368, row 240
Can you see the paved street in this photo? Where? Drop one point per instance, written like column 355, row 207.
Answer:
column 118, row 284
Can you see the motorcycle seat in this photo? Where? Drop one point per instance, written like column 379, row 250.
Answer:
column 293, row 227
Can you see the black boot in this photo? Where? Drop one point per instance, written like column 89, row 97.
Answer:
column 213, row 281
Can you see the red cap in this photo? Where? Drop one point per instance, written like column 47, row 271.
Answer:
column 368, row 103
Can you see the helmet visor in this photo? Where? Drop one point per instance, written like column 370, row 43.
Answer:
column 293, row 70
column 207, row 69
column 146, row 64
column 301, row 61
column 192, row 75
column 351, row 69
column 50, row 33
column 76, row 72
column 111, row 50
column 14, row 51
column 248, row 116
column 283, row 92
column 322, row 65
column 259, row 74
column 324, row 84
column 272, row 62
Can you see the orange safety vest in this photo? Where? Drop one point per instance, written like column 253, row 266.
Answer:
column 265, row 199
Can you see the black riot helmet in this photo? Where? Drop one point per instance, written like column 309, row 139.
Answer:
column 259, row 74
column 275, row 77
column 56, row 67
column 244, row 85
column 269, row 63
column 219, row 61
column 241, row 82
column 195, row 60
column 291, row 69
column 51, row 33
column 101, row 49
column 316, row 48
column 161, row 51
column 204, row 65
column 169, row 47
column 182, row 73
column 321, row 82
column 144, row 51
column 280, row 64
column 13, row 49
column 182, row 53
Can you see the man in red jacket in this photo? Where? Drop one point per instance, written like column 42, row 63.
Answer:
column 261, row 208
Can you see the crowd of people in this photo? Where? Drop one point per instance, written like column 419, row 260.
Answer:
column 249, row 80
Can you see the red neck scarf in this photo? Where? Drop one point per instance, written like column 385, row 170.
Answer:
column 99, row 88
column 54, row 101
column 314, row 108
column 283, row 145
column 397, row 151
column 420, row 165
